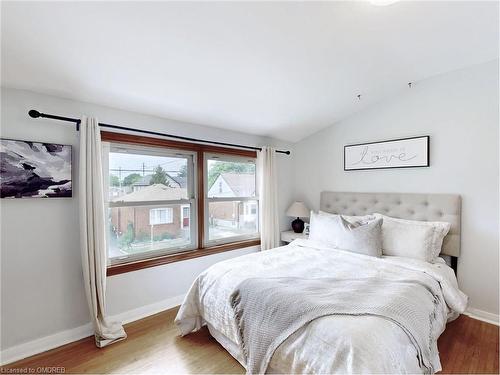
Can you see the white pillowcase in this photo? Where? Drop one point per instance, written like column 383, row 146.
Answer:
column 360, row 234
column 413, row 239
column 350, row 219
column 320, row 228
column 360, row 237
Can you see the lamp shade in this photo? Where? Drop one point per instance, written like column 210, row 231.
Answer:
column 298, row 209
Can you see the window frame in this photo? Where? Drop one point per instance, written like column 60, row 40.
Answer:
column 197, row 212
column 207, row 200
column 191, row 199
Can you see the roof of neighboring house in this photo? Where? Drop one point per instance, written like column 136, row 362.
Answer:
column 146, row 180
column 156, row 192
column 242, row 184
column 182, row 181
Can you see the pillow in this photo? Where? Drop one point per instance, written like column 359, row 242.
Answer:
column 351, row 219
column 357, row 236
column 360, row 237
column 413, row 239
column 321, row 228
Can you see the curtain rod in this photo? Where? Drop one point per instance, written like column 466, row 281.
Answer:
column 35, row 114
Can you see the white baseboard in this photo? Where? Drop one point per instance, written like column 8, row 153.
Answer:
column 148, row 310
column 482, row 315
column 43, row 344
column 27, row 349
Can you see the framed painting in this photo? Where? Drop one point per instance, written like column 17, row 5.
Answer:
column 397, row 153
column 34, row 169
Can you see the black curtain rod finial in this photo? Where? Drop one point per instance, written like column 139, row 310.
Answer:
column 34, row 113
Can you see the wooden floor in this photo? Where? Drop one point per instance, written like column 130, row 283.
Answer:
column 153, row 346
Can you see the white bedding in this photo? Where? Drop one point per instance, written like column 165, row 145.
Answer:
column 332, row 344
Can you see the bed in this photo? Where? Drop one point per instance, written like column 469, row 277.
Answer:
column 342, row 343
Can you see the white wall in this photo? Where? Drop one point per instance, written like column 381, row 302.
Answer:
column 41, row 280
column 41, row 277
column 459, row 110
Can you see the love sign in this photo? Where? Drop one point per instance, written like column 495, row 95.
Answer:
column 397, row 153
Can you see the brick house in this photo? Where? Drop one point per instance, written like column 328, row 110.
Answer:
column 169, row 221
column 173, row 221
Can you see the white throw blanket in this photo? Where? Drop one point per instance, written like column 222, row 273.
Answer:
column 269, row 310
column 332, row 344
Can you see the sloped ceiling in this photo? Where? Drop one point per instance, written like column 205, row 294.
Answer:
column 278, row 69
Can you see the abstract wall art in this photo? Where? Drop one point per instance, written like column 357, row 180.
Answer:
column 34, row 169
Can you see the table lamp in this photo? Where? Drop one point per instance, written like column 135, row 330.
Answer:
column 298, row 210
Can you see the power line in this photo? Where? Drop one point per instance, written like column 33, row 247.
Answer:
column 132, row 170
column 139, row 170
column 167, row 162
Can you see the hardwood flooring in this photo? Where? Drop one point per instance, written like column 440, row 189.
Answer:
column 469, row 346
column 153, row 346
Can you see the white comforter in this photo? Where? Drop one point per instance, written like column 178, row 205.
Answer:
column 332, row 344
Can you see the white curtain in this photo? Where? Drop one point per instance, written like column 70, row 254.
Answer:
column 268, row 192
column 92, row 233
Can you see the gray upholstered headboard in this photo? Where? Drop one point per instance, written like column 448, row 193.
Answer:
column 425, row 207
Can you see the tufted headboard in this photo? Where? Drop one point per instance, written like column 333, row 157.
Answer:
column 425, row 207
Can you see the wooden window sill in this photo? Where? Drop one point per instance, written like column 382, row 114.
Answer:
column 172, row 258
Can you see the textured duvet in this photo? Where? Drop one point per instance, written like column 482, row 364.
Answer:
column 333, row 343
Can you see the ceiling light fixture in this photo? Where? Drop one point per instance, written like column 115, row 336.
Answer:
column 382, row 2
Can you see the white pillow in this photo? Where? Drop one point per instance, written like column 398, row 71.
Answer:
column 321, row 228
column 360, row 237
column 363, row 236
column 351, row 219
column 413, row 239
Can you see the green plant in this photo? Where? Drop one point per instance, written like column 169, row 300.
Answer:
column 131, row 179
column 114, row 180
column 163, row 236
column 142, row 237
column 159, row 177
column 128, row 237
column 167, row 236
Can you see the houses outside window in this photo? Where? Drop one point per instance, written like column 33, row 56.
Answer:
column 147, row 189
column 168, row 200
column 231, row 194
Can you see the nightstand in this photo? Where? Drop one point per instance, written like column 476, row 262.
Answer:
column 289, row 235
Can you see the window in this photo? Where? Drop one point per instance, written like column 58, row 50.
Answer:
column 185, row 216
column 168, row 201
column 231, row 192
column 148, row 189
column 161, row 216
